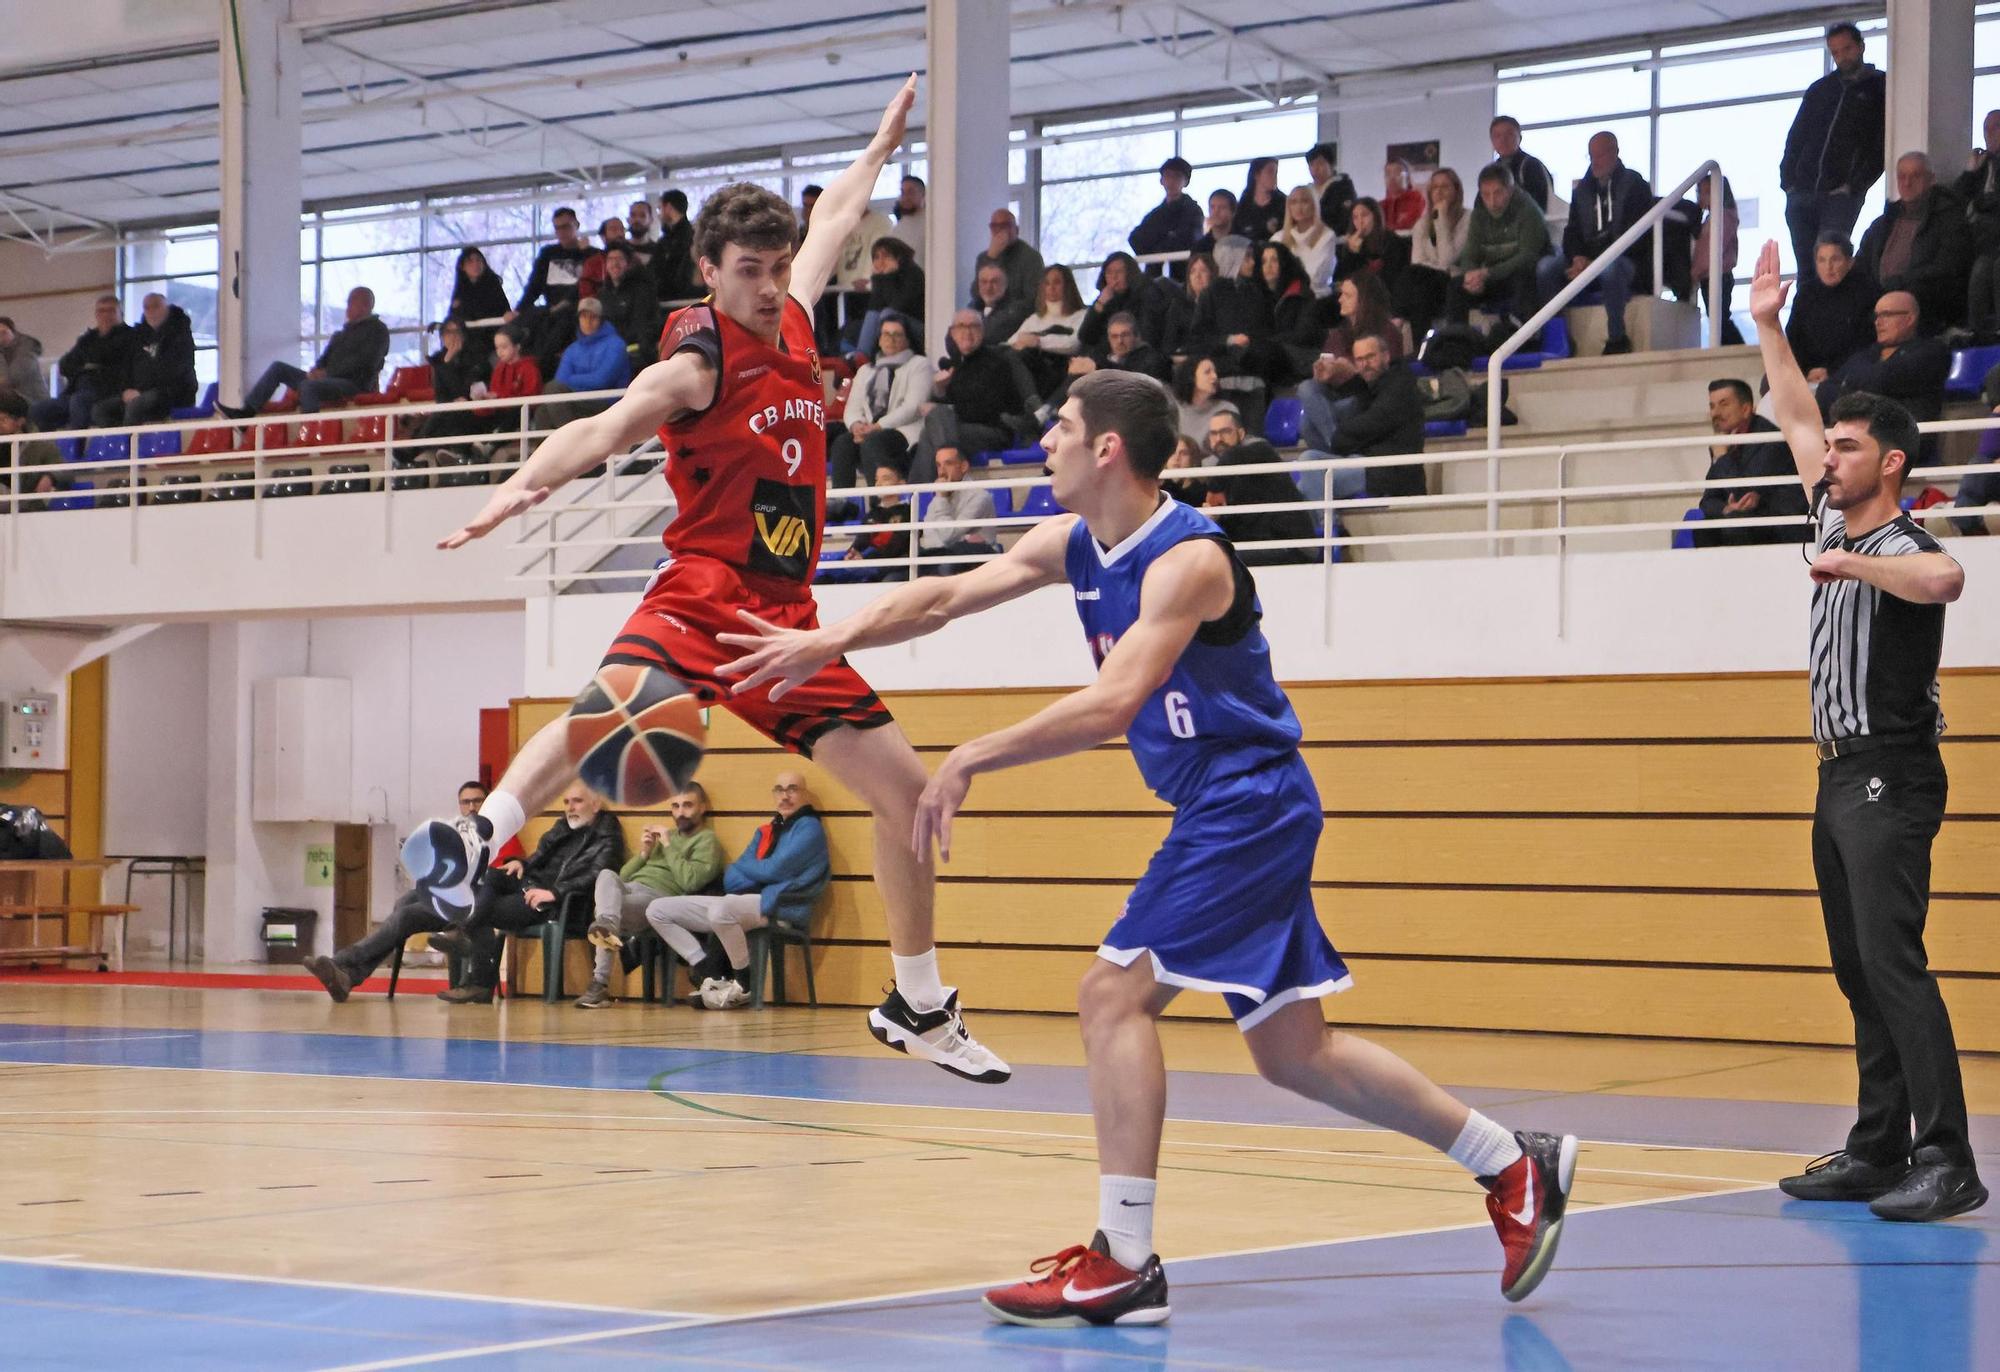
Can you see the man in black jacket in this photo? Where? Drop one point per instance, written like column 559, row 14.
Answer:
column 984, row 396
column 1378, row 413
column 1229, row 445
column 1979, row 188
column 350, row 363
column 1898, row 364
column 556, row 882
column 1733, row 410
column 1530, row 173
column 1833, row 153
column 1921, row 244
column 1608, row 200
column 92, row 371
column 1334, row 188
column 547, row 307
column 159, row 374
column 673, row 257
column 1174, row 224
column 631, row 304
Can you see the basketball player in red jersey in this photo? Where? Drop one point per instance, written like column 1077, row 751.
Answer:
column 739, row 403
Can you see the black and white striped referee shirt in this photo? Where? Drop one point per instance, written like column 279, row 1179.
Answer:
column 1874, row 655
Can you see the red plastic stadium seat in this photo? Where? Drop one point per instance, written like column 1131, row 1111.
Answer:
column 370, row 428
column 321, row 433
column 412, row 384
column 221, row 439
column 275, row 436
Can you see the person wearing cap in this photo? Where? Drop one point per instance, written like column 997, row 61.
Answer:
column 595, row 361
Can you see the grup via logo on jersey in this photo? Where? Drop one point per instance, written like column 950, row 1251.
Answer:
column 785, row 536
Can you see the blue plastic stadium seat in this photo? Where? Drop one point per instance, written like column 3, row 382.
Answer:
column 1555, row 338
column 1684, row 536
column 1282, row 419
column 204, row 410
column 160, row 443
column 1444, row 428
column 70, row 448
column 74, row 501
column 983, row 459
column 1041, row 503
column 1968, row 369
column 108, row 448
column 1003, row 501
column 1032, row 455
column 924, row 503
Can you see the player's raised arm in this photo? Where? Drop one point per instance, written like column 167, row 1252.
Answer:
column 683, row 382
column 1798, row 408
column 841, row 205
column 786, row 657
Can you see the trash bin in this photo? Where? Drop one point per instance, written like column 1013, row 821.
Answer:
column 288, row 933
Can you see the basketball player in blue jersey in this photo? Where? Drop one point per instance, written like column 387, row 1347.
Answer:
column 1184, row 673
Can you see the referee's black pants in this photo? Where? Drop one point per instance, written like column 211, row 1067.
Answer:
column 1873, row 824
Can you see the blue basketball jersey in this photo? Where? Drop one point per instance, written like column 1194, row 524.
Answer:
column 1221, row 714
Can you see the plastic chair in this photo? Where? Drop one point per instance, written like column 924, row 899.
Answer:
column 1030, row 456
column 236, row 486
column 370, row 428
column 1684, row 536
column 1555, row 338
column 122, row 499
column 1282, row 420
column 767, row 960
column 1003, row 502
column 160, row 443
column 73, row 501
column 291, row 481
column 205, row 409
column 108, row 448
column 1968, row 371
column 176, row 497
column 321, row 433
column 70, row 448
column 212, row 441
column 346, row 478
column 276, row 436
column 1041, row 503
column 1444, row 428
column 924, row 503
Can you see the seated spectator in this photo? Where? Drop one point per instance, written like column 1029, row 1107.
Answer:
column 1124, row 351
column 1017, row 258
column 642, row 232
column 846, row 298
column 1198, row 388
column 39, row 462
column 1260, row 209
column 885, row 408
column 1609, row 199
column 1000, row 316
column 895, row 284
column 1231, row 448
column 350, row 363
column 1526, row 171
column 1221, row 221
column 1435, row 247
column 454, row 372
column 985, row 398
column 1182, row 307
column 1188, row 456
column 1833, row 315
column 1048, row 338
column 1732, row 409
column 412, row 914
column 515, row 375
column 547, row 307
column 159, row 373
column 1377, row 413
column 630, row 303
column 1292, row 302
column 910, row 219
column 1308, row 239
column 92, row 371
column 1334, row 190
column 889, row 520
column 556, row 882
column 1370, row 248
column 610, row 233
column 1360, row 309
column 682, row 860
column 942, row 530
column 477, row 293
column 1979, row 188
column 1232, row 313
column 1505, row 238
column 1921, row 244
column 1725, row 227
column 808, row 197
column 1900, row 363
column 1174, row 224
column 595, row 361
column 1120, row 290
column 778, row 878
column 1981, row 488
column 21, row 363
column 1402, row 203
column 674, row 268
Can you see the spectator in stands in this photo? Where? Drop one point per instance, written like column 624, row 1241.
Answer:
column 1198, row 388
column 889, row 515
column 1900, row 363
column 596, row 361
column 1921, row 243
column 1221, row 221
column 1377, row 412
column 1231, row 448
column 943, row 531
column 682, row 860
column 1607, row 201
column 1124, row 351
column 1979, row 188
column 642, row 230
column 92, row 371
column 555, row 883
column 1179, row 308
column 910, row 219
column 159, row 373
column 1834, row 314
column 1174, row 224
column 1506, row 237
column 1260, row 209
column 1732, row 409
column 1232, row 313
column 885, row 408
column 1188, row 456
column 1048, row 338
column 895, row 285
column 515, row 374
column 631, row 305
column 1981, row 488
column 778, row 878
column 1292, row 302
column 1717, row 234
column 609, row 233
column 1528, row 172
column 1120, row 290
column 477, row 293
column 1363, row 311
column 1307, row 238
column 808, row 197
column 1370, row 247
column 1435, row 247
column 673, row 263
column 1335, row 190
column 1833, row 153
column 1000, row 315
column 1016, row 257
column 547, row 307
column 350, row 363
column 1402, row 203
column 454, row 371
column 21, row 363
column 984, row 397
column 852, row 275
column 38, row 461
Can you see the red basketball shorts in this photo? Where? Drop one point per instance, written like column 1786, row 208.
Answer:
column 689, row 602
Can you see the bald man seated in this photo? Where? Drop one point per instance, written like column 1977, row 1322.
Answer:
column 1901, row 363
column 778, row 877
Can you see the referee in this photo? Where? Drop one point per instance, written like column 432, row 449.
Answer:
column 1880, row 585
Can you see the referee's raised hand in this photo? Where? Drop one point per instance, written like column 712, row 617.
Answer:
column 1767, row 288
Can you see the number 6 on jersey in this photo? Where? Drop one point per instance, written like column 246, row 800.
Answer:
column 1178, row 719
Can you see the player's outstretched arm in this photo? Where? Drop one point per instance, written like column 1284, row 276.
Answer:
column 787, row 657
column 841, row 205
column 1798, row 409
column 671, row 387
column 1187, row 587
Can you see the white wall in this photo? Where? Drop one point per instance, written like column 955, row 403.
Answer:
column 156, row 743
column 1451, row 104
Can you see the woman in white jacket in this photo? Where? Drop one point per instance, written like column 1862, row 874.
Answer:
column 1047, row 339
column 1435, row 245
column 1310, row 240
column 885, row 410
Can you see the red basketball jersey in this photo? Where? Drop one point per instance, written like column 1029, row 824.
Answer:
column 749, row 471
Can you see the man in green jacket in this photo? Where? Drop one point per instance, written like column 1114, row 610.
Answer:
column 1504, row 240
column 683, row 861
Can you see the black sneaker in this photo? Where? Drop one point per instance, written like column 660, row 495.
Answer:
column 937, row 1036
column 447, row 858
column 1933, row 1189
column 234, row 411
column 453, row 942
column 332, row 976
column 1617, row 347
column 1843, row 1177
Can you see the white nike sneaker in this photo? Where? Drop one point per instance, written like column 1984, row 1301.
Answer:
column 724, row 993
column 447, row 858
column 937, row 1036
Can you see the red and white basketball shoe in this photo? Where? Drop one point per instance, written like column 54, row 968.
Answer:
column 1081, row 1286
column 1527, row 1202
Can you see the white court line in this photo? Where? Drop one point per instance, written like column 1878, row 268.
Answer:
column 105, row 1038
column 822, row 1307
column 70, row 1261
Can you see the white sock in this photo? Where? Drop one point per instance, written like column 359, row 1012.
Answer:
column 1125, row 1214
column 1484, row 1148
column 505, row 814
column 917, row 979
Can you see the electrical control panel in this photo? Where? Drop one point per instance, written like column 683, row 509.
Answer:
column 31, row 739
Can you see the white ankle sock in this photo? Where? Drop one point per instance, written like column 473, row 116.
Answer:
column 1125, row 1215
column 917, row 979
column 1484, row 1148
column 505, row 814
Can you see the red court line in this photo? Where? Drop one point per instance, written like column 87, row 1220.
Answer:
column 210, row 981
